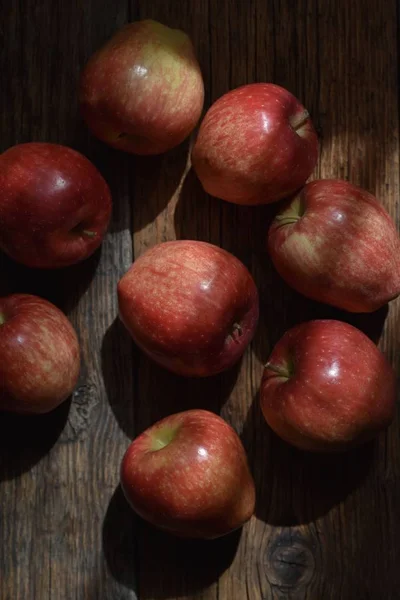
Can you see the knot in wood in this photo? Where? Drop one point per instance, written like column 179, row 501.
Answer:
column 84, row 399
column 290, row 562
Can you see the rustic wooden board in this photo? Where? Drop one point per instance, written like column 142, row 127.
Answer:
column 325, row 528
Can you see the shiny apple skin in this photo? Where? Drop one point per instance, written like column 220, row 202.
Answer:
column 248, row 152
column 39, row 355
column 340, row 392
column 199, row 485
column 182, row 301
column 50, row 195
column 344, row 249
column 143, row 91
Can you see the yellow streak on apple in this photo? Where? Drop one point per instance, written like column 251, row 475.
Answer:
column 166, row 55
column 301, row 246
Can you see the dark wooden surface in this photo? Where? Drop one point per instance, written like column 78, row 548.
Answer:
column 326, row 528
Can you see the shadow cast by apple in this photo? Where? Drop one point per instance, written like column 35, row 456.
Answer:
column 239, row 229
column 63, row 287
column 175, row 567
column 296, row 487
column 119, row 362
column 283, row 308
column 172, row 393
column 372, row 324
column 156, row 391
column 197, row 215
column 116, row 167
column 141, row 186
column 120, row 541
column 154, row 180
column 26, row 439
column 170, row 567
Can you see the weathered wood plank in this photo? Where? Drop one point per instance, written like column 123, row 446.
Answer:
column 325, row 527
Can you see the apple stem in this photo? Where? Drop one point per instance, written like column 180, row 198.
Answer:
column 292, row 214
column 278, row 370
column 287, row 220
column 2, row 318
column 237, row 331
column 89, row 233
column 300, row 120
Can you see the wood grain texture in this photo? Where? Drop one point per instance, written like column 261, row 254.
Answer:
column 325, row 527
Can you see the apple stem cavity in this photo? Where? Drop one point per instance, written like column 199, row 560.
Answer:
column 237, row 332
column 299, row 120
column 285, row 372
column 293, row 214
column 162, row 437
column 131, row 137
column 77, row 230
column 2, row 318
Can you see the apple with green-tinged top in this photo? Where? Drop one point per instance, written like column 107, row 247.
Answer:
column 191, row 306
column 188, row 474
column 327, row 387
column 39, row 355
column 335, row 243
column 256, row 145
column 143, row 91
column 55, row 205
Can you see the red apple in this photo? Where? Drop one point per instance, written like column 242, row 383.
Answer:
column 54, row 205
column 191, row 306
column 39, row 355
column 326, row 387
column 255, row 145
column 143, row 92
column 188, row 474
column 335, row 243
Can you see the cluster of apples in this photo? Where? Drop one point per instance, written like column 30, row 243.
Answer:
column 189, row 305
